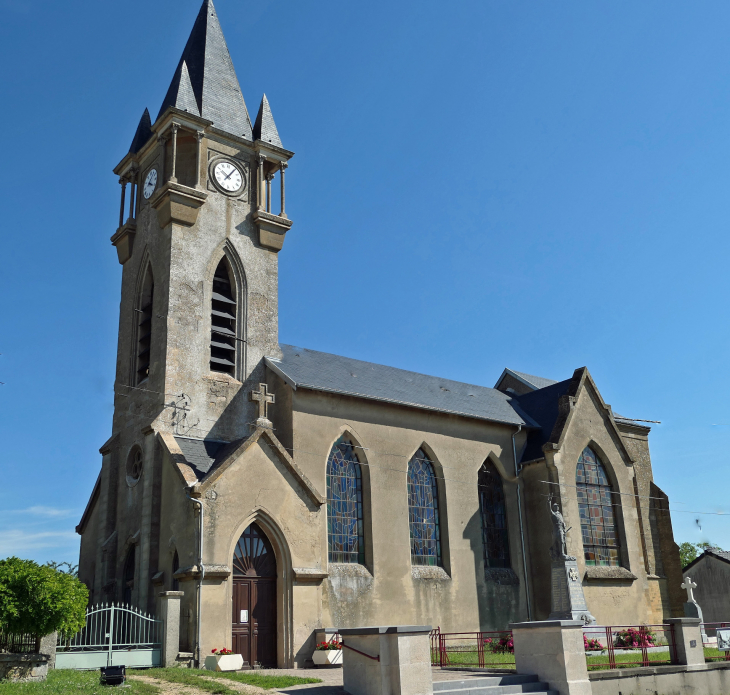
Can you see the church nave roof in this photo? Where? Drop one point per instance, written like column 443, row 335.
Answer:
column 321, row 371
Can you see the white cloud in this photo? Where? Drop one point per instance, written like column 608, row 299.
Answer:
column 20, row 542
column 44, row 511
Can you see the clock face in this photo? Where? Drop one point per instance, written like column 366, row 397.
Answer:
column 150, row 183
column 228, row 176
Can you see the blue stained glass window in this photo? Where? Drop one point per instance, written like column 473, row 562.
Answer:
column 495, row 539
column 423, row 511
column 344, row 505
column 597, row 512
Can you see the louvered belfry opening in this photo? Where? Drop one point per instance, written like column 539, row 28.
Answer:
column 223, row 321
column 144, row 328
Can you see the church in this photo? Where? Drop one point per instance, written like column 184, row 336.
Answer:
column 284, row 490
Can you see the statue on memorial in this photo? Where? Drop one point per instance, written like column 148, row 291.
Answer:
column 559, row 548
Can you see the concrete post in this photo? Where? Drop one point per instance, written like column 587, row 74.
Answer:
column 48, row 647
column 688, row 642
column 553, row 651
column 391, row 660
column 169, row 613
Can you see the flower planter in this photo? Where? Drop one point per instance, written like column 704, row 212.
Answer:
column 224, row 662
column 330, row 657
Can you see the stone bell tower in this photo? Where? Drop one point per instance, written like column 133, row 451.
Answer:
column 199, row 248
column 198, row 241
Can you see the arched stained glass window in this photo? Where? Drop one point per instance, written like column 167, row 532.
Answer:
column 495, row 539
column 344, row 504
column 254, row 556
column 423, row 511
column 597, row 511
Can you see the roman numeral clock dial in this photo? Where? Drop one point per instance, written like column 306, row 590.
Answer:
column 228, row 176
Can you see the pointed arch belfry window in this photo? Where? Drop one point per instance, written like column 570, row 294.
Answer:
column 423, row 511
column 597, row 511
column 144, row 325
column 495, row 539
column 224, row 311
column 344, row 504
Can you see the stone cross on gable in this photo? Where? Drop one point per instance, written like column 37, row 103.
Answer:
column 264, row 399
column 689, row 585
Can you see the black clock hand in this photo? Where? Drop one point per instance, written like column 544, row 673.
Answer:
column 229, row 175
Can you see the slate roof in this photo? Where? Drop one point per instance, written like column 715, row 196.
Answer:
column 142, row 134
column 541, row 406
column 537, row 381
column 202, row 454
column 211, row 78
column 264, row 128
column 320, row 371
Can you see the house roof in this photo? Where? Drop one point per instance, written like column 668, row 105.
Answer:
column 202, row 454
column 723, row 555
column 536, row 382
column 205, row 78
column 321, row 371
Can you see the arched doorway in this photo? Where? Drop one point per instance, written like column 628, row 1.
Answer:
column 254, row 598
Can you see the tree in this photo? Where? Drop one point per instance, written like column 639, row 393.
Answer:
column 688, row 552
column 38, row 600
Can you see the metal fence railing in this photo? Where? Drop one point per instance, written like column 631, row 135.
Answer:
column 492, row 650
column 625, row 646
column 709, row 642
column 17, row 644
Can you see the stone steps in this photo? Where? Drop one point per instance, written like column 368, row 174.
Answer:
column 493, row 685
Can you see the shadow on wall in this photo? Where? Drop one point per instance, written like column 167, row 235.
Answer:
column 498, row 600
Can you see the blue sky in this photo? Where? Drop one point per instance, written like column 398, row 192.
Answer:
column 477, row 185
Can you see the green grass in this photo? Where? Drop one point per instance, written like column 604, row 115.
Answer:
column 262, row 681
column 468, row 656
column 200, row 678
column 67, row 681
column 185, row 676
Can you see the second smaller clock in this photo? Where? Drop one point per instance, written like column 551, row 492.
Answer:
column 228, row 177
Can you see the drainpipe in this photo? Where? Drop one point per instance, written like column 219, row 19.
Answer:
column 518, row 470
column 202, row 575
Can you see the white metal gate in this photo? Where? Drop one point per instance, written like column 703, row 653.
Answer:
column 114, row 635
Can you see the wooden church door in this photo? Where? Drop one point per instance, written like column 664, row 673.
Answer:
column 254, row 598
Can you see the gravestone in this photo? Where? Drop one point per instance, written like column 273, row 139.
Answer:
column 568, row 602
column 692, row 608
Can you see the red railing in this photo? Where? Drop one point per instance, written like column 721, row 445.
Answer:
column 625, row 646
column 476, row 649
column 709, row 642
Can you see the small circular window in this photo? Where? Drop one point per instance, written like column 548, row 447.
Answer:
column 134, row 466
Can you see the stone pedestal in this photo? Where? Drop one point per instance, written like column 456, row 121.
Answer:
column 168, row 611
column 688, row 642
column 392, row 660
column 553, row 651
column 568, row 600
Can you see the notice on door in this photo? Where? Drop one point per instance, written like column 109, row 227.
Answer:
column 244, row 616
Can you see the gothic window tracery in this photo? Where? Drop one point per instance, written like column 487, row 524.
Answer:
column 495, row 539
column 223, row 321
column 597, row 512
column 423, row 511
column 144, row 326
column 344, row 504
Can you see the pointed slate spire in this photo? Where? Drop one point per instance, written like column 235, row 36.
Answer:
column 143, row 133
column 181, row 90
column 265, row 128
column 211, row 77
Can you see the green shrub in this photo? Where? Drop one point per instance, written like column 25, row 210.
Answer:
column 38, row 599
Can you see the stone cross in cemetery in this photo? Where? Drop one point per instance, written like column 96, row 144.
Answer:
column 691, row 607
column 568, row 602
column 264, row 399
